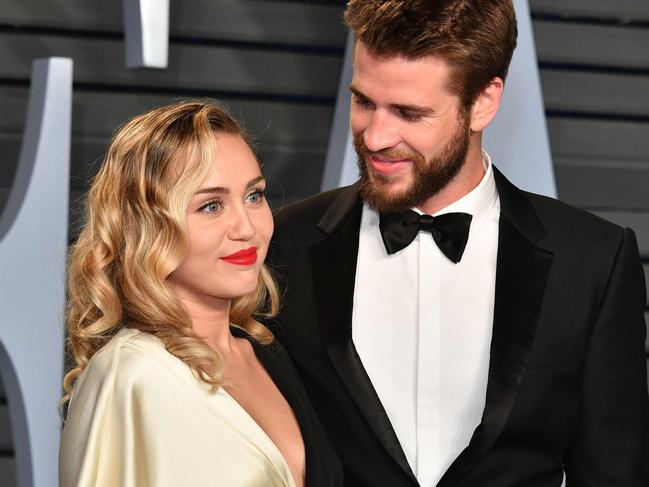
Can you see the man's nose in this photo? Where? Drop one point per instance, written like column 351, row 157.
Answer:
column 381, row 132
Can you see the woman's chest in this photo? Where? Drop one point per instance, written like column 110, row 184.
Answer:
column 254, row 390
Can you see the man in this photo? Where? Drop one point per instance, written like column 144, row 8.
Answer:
column 450, row 328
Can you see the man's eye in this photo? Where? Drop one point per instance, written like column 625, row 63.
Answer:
column 363, row 102
column 409, row 116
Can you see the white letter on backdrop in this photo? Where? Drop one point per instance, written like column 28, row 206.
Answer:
column 146, row 33
column 33, row 248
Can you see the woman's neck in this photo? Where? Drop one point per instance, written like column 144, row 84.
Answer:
column 211, row 321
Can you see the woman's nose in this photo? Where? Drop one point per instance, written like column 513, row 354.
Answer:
column 241, row 225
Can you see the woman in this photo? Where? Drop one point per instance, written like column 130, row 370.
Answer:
column 176, row 383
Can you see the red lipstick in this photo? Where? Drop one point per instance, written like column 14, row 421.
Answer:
column 243, row 257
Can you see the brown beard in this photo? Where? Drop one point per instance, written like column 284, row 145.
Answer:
column 429, row 177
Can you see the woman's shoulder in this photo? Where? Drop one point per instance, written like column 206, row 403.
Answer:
column 129, row 349
column 132, row 359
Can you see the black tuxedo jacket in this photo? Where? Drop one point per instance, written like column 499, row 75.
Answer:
column 567, row 384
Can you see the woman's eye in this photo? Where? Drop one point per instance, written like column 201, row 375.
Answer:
column 256, row 196
column 211, row 207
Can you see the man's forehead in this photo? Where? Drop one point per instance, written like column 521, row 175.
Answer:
column 397, row 67
column 367, row 55
column 410, row 81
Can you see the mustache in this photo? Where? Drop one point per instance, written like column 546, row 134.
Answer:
column 387, row 153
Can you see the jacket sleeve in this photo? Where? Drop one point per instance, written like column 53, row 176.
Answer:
column 612, row 445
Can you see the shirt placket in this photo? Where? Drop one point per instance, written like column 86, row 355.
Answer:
column 428, row 365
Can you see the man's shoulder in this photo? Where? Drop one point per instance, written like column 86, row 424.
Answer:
column 564, row 222
column 309, row 211
column 557, row 217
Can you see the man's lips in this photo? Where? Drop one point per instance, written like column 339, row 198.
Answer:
column 387, row 166
column 243, row 257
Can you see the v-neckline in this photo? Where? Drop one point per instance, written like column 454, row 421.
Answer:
column 256, row 348
column 277, row 457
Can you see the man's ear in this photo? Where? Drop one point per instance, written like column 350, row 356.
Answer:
column 486, row 105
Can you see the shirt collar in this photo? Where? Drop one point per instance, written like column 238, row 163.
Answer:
column 479, row 201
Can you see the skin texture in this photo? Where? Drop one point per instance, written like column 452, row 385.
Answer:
column 406, row 123
column 229, row 213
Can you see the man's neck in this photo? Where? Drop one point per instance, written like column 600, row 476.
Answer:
column 463, row 183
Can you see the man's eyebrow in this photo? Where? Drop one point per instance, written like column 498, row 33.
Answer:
column 357, row 92
column 414, row 109
column 222, row 190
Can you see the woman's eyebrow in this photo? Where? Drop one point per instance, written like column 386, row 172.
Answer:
column 215, row 189
column 254, row 181
column 222, row 190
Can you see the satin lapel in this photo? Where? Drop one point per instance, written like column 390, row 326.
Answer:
column 522, row 271
column 334, row 272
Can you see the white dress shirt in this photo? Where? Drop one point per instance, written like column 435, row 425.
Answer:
column 422, row 328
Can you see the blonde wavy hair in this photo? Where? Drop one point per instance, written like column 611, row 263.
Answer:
column 134, row 238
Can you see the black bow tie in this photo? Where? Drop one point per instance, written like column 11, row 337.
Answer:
column 450, row 231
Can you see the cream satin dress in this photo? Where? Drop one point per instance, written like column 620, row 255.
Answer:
column 138, row 418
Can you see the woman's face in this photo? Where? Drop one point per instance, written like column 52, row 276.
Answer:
column 229, row 226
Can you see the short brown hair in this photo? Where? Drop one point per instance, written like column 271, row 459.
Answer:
column 476, row 37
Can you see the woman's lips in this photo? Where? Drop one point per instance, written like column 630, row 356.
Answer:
column 386, row 166
column 243, row 257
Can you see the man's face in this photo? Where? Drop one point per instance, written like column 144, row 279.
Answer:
column 410, row 133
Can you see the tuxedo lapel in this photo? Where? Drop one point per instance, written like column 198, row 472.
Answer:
column 522, row 271
column 334, row 270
